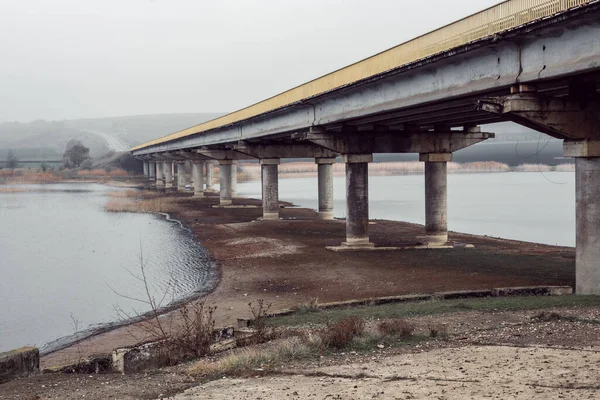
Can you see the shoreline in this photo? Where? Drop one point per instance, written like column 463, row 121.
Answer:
column 73, row 339
column 285, row 263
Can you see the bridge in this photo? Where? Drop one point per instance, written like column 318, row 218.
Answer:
column 533, row 62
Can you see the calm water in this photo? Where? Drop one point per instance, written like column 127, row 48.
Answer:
column 62, row 258
column 515, row 205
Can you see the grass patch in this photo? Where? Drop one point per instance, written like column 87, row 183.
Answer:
column 159, row 204
column 405, row 310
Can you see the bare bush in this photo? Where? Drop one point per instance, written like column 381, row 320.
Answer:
column 396, row 327
column 260, row 313
column 437, row 330
column 339, row 334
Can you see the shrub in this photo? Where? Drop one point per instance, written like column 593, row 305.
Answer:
column 260, row 313
column 437, row 330
column 396, row 327
column 339, row 334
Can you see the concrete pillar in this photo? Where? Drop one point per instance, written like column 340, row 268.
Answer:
column 198, row 178
column 587, row 217
column 168, row 174
column 587, row 214
column 325, row 183
column 159, row 174
column 145, row 163
column 225, row 181
column 436, row 210
column 357, row 200
column 151, row 170
column 234, row 179
column 181, row 175
column 270, row 187
column 210, row 176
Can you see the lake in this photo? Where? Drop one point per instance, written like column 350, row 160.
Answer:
column 528, row 206
column 65, row 263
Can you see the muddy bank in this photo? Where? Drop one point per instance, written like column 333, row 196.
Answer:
column 285, row 263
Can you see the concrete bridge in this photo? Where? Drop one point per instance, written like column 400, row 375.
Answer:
column 534, row 62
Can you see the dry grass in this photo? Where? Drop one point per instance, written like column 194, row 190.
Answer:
column 533, row 168
column 340, row 334
column 102, row 172
column 252, row 358
column 565, row 168
column 29, row 177
column 160, row 204
column 13, row 190
column 396, row 327
column 133, row 194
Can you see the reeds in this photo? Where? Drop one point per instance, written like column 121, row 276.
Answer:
column 28, row 177
column 533, row 168
column 102, row 172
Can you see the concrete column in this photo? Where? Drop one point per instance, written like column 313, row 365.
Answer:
column 181, row 175
column 436, row 210
column 587, row 217
column 168, row 174
column 587, row 214
column 145, row 163
column 325, row 178
column 198, row 178
column 159, row 174
column 151, row 170
column 225, row 181
column 234, row 179
column 270, row 187
column 210, row 176
column 357, row 200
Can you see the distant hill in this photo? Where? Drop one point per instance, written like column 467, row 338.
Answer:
column 48, row 138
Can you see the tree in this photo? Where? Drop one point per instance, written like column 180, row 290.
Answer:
column 11, row 160
column 76, row 154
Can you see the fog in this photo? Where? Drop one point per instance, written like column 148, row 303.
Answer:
column 65, row 59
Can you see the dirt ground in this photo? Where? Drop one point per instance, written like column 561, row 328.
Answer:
column 487, row 355
column 285, row 263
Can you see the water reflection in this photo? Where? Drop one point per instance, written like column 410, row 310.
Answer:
column 62, row 257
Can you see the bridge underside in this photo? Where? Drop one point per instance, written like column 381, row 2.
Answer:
column 544, row 75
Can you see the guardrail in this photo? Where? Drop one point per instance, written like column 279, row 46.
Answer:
column 499, row 18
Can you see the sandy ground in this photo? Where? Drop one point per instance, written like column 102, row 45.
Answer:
column 285, row 263
column 475, row 372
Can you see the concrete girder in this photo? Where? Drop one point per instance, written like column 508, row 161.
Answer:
column 189, row 155
column 397, row 141
column 296, row 150
column 562, row 118
column 223, row 154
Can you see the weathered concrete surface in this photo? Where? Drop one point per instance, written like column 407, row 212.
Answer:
column 225, row 167
column 159, row 174
column 325, row 182
column 151, row 170
column 587, row 187
column 19, row 362
column 168, row 173
column 198, row 178
column 270, row 187
column 436, row 189
column 357, row 200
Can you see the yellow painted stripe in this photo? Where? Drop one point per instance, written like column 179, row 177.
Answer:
column 501, row 17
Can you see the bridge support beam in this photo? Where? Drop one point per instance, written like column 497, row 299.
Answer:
column 198, row 178
column 234, row 179
column 181, row 175
column 145, row 164
column 159, row 174
column 270, row 188
column 210, row 176
column 587, row 214
column 225, row 182
column 151, row 170
column 436, row 225
column 168, row 174
column 357, row 200
column 325, row 182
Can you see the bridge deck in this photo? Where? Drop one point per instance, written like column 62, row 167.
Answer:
column 500, row 18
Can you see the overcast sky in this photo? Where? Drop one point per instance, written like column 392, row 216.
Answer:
column 64, row 59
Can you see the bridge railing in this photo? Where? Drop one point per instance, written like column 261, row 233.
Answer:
column 499, row 18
